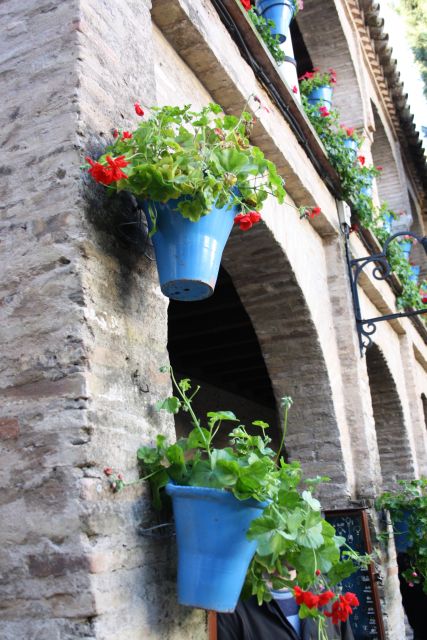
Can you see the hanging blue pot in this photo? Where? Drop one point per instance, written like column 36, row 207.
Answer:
column 213, row 551
column 366, row 188
column 415, row 273
column 280, row 12
column 351, row 145
column 188, row 254
column 322, row 96
column 406, row 247
column 388, row 222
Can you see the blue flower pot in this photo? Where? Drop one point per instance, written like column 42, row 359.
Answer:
column 322, row 96
column 388, row 222
column 366, row 188
column 352, row 146
column 406, row 247
column 280, row 12
column 415, row 273
column 188, row 254
column 213, row 551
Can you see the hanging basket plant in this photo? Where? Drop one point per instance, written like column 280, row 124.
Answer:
column 195, row 173
column 318, row 87
column 242, row 517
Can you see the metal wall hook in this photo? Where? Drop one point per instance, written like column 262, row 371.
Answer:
column 366, row 327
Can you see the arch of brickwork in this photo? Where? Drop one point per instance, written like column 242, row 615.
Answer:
column 393, row 443
column 274, row 301
column 390, row 186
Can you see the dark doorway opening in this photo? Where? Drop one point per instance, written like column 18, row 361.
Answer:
column 213, row 343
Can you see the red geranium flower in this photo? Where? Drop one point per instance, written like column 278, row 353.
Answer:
column 324, row 112
column 306, row 597
column 98, row 172
column 341, row 608
column 115, row 133
column 126, row 135
column 325, row 597
column 295, row 89
column 244, row 221
column 116, row 165
column 138, row 109
column 349, row 130
column 315, row 211
column 247, row 220
column 361, row 160
column 246, row 4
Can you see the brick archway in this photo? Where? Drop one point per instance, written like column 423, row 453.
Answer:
column 393, row 443
column 287, row 335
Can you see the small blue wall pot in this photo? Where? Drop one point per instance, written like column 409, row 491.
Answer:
column 415, row 273
column 406, row 247
column 188, row 254
column 280, row 12
column 213, row 551
column 351, row 145
column 321, row 96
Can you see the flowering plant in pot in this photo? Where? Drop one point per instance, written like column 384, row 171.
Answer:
column 195, row 173
column 408, row 511
column 284, row 527
column 317, row 86
column 280, row 12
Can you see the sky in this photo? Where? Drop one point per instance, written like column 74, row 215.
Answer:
column 409, row 72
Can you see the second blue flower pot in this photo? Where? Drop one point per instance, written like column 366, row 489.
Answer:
column 213, row 551
column 188, row 254
column 406, row 247
column 351, row 145
column 322, row 96
column 280, row 12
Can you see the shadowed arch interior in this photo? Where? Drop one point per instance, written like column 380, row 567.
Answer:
column 274, row 301
column 393, row 444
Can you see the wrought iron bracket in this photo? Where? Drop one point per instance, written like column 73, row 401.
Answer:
column 366, row 327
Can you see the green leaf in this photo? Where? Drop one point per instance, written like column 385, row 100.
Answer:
column 312, row 502
column 172, row 405
column 214, row 416
column 198, row 437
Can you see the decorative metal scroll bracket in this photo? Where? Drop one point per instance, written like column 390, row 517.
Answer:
column 367, row 327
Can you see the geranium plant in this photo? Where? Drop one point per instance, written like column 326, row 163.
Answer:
column 315, row 79
column 408, row 507
column 203, row 157
column 291, row 532
column 355, row 176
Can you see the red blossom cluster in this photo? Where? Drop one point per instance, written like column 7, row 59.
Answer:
column 423, row 294
column 324, row 112
column 312, row 600
column 247, row 220
column 107, row 175
column 309, row 212
column 342, row 608
column 332, row 75
column 361, row 160
column 294, row 89
column 349, row 130
column 246, row 4
column 138, row 109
